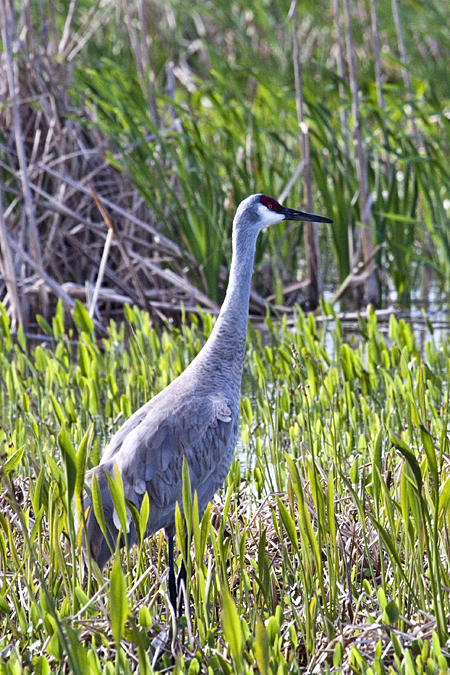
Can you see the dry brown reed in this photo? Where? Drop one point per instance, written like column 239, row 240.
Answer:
column 54, row 163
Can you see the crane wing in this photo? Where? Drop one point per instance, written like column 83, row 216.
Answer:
column 149, row 449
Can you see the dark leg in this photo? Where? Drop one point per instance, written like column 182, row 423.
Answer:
column 172, row 583
column 182, row 576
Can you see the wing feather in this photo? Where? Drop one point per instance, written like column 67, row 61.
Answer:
column 150, row 447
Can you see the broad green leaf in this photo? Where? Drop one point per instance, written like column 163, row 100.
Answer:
column 4, row 607
column 273, row 629
column 13, row 461
column 400, row 444
column 295, row 478
column 37, row 524
column 78, row 653
column 180, row 529
column 226, row 507
column 391, row 613
column 187, row 496
column 98, row 506
column 118, row 497
column 347, row 362
column 80, row 461
column 196, row 529
column 431, row 455
column 144, row 515
column 44, row 325
column 206, row 520
column 59, row 411
column 83, row 359
column 69, row 456
column 231, row 626
column 145, row 619
column 82, row 319
column 288, row 523
column 312, row 538
column 21, row 338
column 58, row 320
column 262, row 652
column 377, row 466
column 118, row 606
column 444, row 497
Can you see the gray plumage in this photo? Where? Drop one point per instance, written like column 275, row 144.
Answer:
column 197, row 415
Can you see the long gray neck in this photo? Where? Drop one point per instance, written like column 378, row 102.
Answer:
column 225, row 348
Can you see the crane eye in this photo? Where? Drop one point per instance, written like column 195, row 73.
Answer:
column 270, row 203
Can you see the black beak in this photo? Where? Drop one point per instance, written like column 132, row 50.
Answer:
column 292, row 214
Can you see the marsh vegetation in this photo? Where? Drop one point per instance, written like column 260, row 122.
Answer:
column 129, row 132
column 327, row 549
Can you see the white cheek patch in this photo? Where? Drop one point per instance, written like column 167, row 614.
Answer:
column 268, row 217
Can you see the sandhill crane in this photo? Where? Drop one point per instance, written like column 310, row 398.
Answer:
column 196, row 416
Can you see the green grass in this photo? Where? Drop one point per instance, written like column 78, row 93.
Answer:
column 327, row 547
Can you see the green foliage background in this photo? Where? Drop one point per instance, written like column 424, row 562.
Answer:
column 228, row 127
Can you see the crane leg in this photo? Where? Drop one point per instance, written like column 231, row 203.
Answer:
column 175, row 586
column 182, row 576
column 172, row 582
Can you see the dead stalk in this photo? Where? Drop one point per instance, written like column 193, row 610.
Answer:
column 312, row 240
column 290, row 184
column 372, row 289
column 101, row 272
column 9, row 272
column 162, row 240
column 404, row 60
column 125, row 255
column 56, row 288
column 66, row 31
column 342, row 76
column 379, row 80
column 8, row 32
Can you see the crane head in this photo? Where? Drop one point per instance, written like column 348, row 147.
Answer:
column 259, row 211
column 271, row 210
